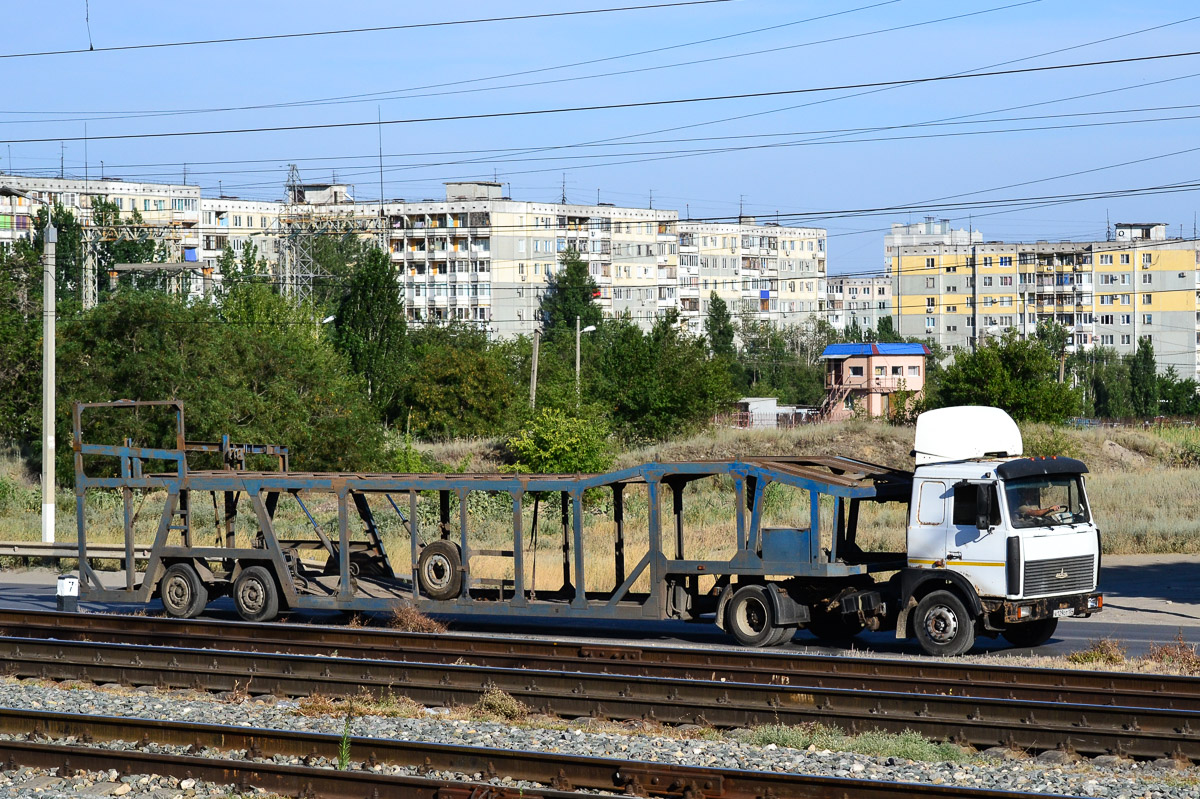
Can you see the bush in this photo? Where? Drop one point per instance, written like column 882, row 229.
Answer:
column 497, row 704
column 1104, row 650
column 557, row 443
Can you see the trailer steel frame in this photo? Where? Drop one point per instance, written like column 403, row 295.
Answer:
column 761, row 551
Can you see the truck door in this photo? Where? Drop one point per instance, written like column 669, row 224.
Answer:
column 927, row 525
column 977, row 552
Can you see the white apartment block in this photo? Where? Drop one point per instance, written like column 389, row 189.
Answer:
column 763, row 272
column 172, row 208
column 858, row 300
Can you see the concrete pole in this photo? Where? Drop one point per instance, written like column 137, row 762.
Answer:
column 49, row 273
column 537, row 340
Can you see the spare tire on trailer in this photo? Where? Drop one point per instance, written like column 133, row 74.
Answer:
column 439, row 570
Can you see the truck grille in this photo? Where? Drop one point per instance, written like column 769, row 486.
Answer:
column 1044, row 577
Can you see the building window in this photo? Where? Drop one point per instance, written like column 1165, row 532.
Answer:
column 987, row 280
column 1124, row 257
column 930, row 263
column 1147, row 299
column 1006, row 260
column 1126, row 319
column 914, row 371
column 928, row 282
column 930, row 302
column 930, row 323
column 1125, row 339
column 987, row 260
column 1006, row 280
column 1105, row 260
column 897, row 371
column 1147, row 278
column 856, row 371
column 1147, row 319
column 1146, row 259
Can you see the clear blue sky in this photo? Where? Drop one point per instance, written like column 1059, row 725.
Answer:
column 49, row 97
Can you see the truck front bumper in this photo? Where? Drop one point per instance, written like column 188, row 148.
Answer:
column 1076, row 605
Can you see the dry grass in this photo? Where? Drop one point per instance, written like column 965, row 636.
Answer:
column 1108, row 651
column 389, row 705
column 408, row 619
column 1177, row 657
column 496, row 705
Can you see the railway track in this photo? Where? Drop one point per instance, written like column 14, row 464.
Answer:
column 666, row 662
column 979, row 721
column 564, row 775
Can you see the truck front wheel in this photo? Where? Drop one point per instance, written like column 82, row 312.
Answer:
column 1031, row 633
column 943, row 625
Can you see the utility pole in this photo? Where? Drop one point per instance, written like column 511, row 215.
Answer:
column 537, row 340
column 578, row 340
column 49, row 274
column 974, row 288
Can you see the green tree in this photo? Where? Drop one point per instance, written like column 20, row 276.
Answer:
column 569, row 294
column 265, row 383
column 370, row 330
column 1143, row 379
column 555, row 442
column 1019, row 376
column 885, row 331
column 456, row 383
column 68, row 251
column 1055, row 338
column 126, row 248
column 718, row 326
column 20, row 343
column 853, row 332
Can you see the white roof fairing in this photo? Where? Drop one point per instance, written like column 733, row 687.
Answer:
column 965, row 433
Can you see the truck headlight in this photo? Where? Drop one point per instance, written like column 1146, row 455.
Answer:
column 1024, row 611
column 1095, row 602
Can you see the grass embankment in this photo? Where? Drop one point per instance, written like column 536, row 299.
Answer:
column 1142, row 489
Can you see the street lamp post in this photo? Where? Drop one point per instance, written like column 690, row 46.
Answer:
column 578, row 338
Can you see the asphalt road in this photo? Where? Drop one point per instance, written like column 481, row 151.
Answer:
column 1149, row 599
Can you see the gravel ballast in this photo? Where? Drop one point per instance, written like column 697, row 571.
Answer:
column 1104, row 777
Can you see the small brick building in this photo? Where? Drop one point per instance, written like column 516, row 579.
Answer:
column 868, row 376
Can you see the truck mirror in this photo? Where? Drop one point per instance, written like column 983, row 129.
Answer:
column 983, row 506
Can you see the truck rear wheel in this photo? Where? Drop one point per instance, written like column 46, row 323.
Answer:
column 751, row 617
column 182, row 592
column 439, row 568
column 943, row 625
column 255, row 595
column 1031, row 633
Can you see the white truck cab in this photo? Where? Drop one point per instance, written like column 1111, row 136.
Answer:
column 997, row 543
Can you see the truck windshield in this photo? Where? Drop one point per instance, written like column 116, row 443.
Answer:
column 1046, row 500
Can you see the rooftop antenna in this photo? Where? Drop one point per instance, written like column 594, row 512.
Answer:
column 85, row 158
column 687, row 209
column 597, row 195
column 741, row 204
column 563, row 200
column 62, row 150
column 1107, row 227
column 220, row 189
column 184, row 173
column 102, row 170
column 652, row 199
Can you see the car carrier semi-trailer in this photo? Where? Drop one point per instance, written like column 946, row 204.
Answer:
column 997, row 543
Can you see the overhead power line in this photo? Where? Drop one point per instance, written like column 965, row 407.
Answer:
column 344, row 31
column 614, row 106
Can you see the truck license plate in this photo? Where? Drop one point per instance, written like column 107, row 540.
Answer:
column 1061, row 612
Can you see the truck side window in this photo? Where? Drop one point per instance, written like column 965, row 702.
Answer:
column 964, row 504
column 932, row 506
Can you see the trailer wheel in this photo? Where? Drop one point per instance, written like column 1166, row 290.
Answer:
column 255, row 595
column 752, row 617
column 1031, row 633
column 944, row 626
column 183, row 594
column 440, row 570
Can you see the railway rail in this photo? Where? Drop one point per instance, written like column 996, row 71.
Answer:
column 564, row 775
column 978, row 721
column 672, row 662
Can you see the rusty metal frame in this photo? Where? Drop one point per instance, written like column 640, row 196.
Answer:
column 847, row 481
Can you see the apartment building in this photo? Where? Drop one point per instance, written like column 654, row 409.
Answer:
column 1106, row 293
column 764, row 272
column 173, row 208
column 481, row 257
column 857, row 300
column 234, row 222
